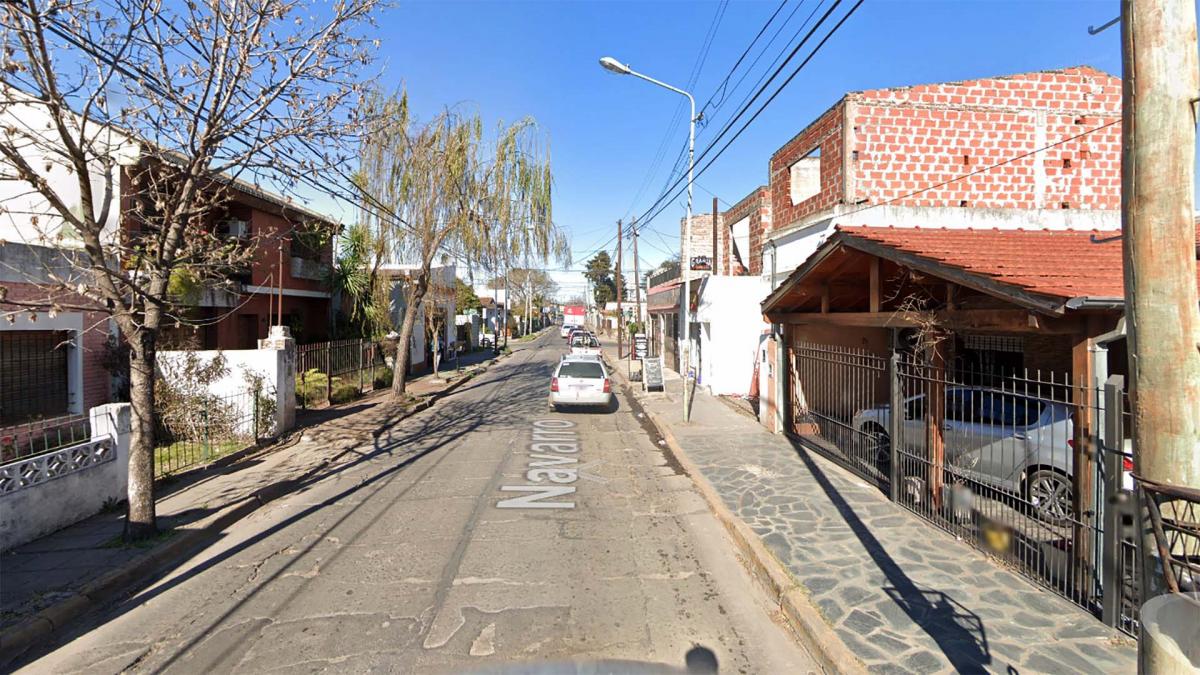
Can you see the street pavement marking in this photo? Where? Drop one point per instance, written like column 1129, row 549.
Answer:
column 552, row 450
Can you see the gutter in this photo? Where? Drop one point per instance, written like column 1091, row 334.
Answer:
column 1095, row 302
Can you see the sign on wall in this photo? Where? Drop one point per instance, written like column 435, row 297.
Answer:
column 701, row 263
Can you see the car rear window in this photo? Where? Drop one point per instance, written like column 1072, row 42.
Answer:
column 581, row 369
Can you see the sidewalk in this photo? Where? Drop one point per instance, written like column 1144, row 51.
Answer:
column 903, row 596
column 53, row 579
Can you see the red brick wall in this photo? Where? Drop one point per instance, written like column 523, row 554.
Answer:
column 905, row 139
column 96, row 378
column 911, row 138
column 825, row 133
column 756, row 206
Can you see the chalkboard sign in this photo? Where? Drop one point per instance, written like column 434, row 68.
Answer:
column 652, row 374
column 639, row 346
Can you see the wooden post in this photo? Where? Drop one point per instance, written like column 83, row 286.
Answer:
column 620, row 283
column 637, row 280
column 1161, row 79
column 1083, row 452
column 825, row 299
column 874, row 302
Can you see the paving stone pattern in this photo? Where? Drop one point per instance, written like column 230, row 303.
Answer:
column 904, row 596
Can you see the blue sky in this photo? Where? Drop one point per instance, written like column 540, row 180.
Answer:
column 511, row 59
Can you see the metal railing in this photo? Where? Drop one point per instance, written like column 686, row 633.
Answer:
column 209, row 428
column 1029, row 467
column 338, row 371
column 39, row 437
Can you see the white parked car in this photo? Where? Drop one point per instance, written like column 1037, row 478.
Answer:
column 580, row 381
column 585, row 344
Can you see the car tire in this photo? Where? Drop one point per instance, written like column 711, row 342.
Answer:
column 1049, row 494
column 879, row 444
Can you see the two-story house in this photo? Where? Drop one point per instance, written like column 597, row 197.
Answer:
column 57, row 353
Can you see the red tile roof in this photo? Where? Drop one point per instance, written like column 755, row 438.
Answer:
column 1064, row 264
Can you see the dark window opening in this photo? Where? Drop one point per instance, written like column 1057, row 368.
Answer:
column 33, row 375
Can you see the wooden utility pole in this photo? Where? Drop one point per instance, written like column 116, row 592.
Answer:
column 619, row 284
column 637, row 276
column 1161, row 83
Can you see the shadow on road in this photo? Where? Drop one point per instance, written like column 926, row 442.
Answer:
column 397, row 444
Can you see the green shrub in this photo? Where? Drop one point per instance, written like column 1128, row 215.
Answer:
column 383, row 378
column 343, row 391
column 310, row 386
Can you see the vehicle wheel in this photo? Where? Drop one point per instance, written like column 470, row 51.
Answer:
column 879, row 449
column 1049, row 493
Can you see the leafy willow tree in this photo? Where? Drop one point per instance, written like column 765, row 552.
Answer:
column 443, row 185
column 125, row 124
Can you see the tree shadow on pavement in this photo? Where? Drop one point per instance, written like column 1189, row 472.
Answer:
column 397, row 443
column 958, row 632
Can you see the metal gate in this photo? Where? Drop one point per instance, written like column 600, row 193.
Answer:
column 833, row 391
column 990, row 457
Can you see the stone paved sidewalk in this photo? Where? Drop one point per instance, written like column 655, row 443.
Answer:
column 904, row 596
column 54, row 568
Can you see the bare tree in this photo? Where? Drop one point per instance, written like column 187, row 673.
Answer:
column 530, row 289
column 442, row 187
column 128, row 122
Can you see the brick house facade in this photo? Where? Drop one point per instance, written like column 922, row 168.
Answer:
column 746, row 224
column 977, row 153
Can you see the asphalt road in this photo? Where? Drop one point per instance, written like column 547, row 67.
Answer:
column 438, row 553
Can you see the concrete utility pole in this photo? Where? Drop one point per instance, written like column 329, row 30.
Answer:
column 1161, row 84
column 637, row 276
column 619, row 284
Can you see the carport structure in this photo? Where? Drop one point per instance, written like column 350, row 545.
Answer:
column 997, row 345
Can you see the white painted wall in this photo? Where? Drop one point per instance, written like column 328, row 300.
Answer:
column 731, row 326
column 41, row 508
column 276, row 366
column 31, row 124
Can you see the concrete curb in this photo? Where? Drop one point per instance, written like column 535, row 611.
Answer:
column 802, row 616
column 17, row 640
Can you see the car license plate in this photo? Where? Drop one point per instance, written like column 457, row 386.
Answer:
column 581, row 387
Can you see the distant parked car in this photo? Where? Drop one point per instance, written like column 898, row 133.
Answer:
column 584, row 344
column 580, row 381
column 565, row 330
column 1019, row 444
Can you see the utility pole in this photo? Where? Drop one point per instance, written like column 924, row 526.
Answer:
column 619, row 284
column 637, row 278
column 712, row 264
column 506, row 301
column 1161, row 79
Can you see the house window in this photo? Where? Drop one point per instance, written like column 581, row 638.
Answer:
column 34, row 382
column 806, row 176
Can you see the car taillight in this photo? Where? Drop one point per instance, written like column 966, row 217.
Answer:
column 1071, row 443
column 554, row 384
column 607, row 386
column 1127, row 463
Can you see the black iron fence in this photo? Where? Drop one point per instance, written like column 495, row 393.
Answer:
column 1031, row 468
column 339, row 371
column 38, row 437
column 209, row 427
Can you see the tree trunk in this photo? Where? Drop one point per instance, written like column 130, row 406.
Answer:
column 400, row 373
column 141, row 522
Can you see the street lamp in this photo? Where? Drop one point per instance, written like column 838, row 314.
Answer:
column 612, row 65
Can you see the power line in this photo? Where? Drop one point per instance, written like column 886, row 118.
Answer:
column 647, row 217
column 701, row 58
